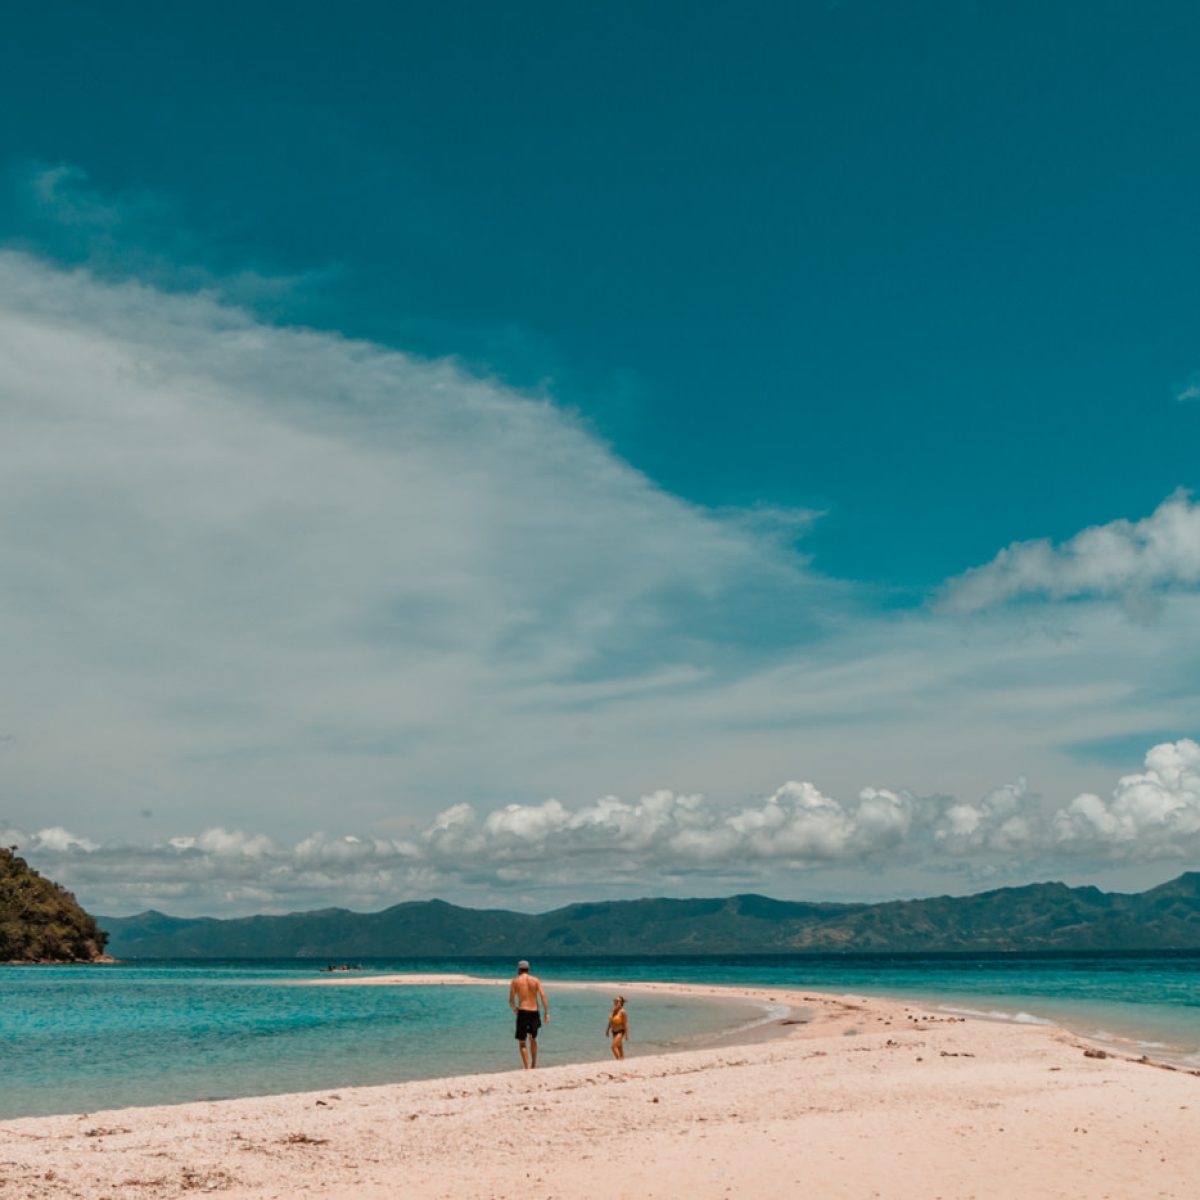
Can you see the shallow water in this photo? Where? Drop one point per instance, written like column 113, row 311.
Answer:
column 81, row 1038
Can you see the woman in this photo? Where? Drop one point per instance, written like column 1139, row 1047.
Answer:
column 618, row 1027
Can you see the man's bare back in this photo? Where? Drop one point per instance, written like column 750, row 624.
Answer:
column 525, row 990
column 524, row 994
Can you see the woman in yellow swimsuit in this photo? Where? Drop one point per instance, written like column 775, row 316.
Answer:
column 618, row 1027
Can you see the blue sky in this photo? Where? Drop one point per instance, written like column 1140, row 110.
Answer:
column 733, row 348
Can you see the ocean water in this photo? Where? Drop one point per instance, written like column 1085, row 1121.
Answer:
column 76, row 1039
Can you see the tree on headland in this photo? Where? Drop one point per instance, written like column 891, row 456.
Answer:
column 41, row 921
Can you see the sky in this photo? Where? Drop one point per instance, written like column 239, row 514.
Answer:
column 555, row 452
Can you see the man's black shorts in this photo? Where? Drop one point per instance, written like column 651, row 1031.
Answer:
column 528, row 1024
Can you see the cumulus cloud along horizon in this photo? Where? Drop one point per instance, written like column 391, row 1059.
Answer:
column 1152, row 816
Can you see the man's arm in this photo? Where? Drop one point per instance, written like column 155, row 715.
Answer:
column 545, row 1002
column 512, row 995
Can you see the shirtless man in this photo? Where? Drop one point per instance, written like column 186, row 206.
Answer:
column 523, row 995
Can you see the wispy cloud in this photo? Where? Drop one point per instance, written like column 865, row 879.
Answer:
column 232, row 544
column 63, row 194
column 138, row 234
column 1121, row 559
column 1190, row 390
column 256, row 576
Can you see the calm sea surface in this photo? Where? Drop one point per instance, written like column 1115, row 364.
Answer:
column 76, row 1039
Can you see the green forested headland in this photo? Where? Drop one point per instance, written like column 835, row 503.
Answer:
column 41, row 921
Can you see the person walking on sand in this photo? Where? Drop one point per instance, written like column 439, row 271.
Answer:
column 523, row 995
column 618, row 1027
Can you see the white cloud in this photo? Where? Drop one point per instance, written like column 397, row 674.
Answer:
column 1122, row 558
column 796, row 825
column 1000, row 821
column 58, row 839
column 1152, row 816
column 1155, row 813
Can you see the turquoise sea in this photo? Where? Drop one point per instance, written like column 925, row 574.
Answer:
column 75, row 1039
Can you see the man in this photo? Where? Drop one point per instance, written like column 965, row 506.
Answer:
column 523, row 995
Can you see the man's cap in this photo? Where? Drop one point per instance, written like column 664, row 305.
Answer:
column 522, row 965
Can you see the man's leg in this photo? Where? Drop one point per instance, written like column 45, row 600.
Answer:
column 524, row 1052
column 533, row 1048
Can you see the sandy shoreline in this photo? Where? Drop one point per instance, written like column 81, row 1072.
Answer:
column 870, row 1098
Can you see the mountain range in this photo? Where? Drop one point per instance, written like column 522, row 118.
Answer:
column 1041, row 916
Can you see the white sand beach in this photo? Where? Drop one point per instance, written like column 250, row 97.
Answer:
column 870, row 1098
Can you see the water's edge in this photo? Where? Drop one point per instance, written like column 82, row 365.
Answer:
column 80, row 1038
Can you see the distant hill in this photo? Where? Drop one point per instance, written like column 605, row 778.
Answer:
column 1042, row 916
column 40, row 921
